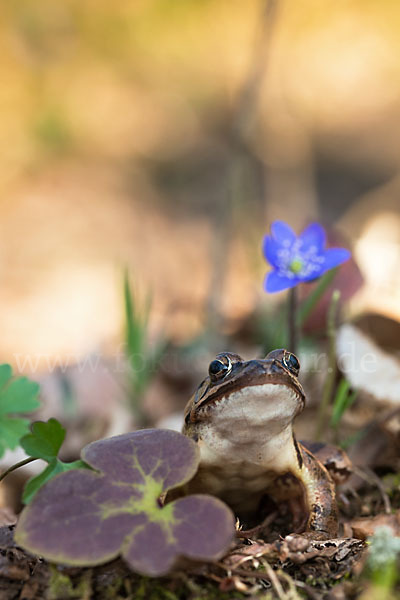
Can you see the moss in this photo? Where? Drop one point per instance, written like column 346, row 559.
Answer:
column 153, row 589
column 166, row 589
column 62, row 586
column 112, row 590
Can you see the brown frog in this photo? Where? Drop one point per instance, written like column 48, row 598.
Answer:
column 241, row 417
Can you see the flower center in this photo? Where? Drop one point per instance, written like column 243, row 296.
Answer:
column 296, row 265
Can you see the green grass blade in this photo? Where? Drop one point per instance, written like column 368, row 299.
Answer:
column 343, row 400
column 142, row 358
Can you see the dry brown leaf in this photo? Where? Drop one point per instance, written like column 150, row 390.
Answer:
column 365, row 527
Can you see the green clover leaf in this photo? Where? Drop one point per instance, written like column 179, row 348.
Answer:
column 17, row 395
column 45, row 442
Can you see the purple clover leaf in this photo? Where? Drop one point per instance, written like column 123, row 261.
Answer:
column 296, row 259
column 85, row 517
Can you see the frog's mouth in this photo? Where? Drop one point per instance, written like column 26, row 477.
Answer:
column 262, row 386
column 257, row 403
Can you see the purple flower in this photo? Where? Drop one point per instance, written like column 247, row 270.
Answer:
column 298, row 258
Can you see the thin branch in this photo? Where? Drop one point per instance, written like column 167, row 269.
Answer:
column 256, row 531
column 241, row 125
column 249, row 96
column 22, row 463
column 276, row 584
column 332, row 366
column 292, row 320
column 372, row 478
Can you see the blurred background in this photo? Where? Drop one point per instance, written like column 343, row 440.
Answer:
column 162, row 137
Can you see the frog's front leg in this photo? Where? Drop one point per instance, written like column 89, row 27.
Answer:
column 319, row 496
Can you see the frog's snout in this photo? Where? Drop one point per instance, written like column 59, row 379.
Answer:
column 268, row 366
column 272, row 370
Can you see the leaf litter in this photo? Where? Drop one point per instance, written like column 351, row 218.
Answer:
column 85, row 519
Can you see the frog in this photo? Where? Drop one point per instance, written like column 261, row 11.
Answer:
column 241, row 418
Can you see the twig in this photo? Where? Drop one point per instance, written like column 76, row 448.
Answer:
column 249, row 574
column 22, row 463
column 310, row 591
column 331, row 375
column 249, row 533
column 292, row 320
column 292, row 592
column 249, row 96
column 273, row 577
column 241, row 125
column 387, row 416
column 276, row 584
column 372, row 478
column 368, row 429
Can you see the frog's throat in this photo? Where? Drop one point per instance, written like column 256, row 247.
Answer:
column 268, row 407
column 276, row 453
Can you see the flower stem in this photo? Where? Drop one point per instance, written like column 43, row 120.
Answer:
column 292, row 320
column 17, row 465
column 332, row 368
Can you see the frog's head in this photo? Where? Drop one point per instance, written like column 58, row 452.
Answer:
column 262, row 393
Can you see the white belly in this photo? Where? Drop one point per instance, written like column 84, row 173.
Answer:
column 246, row 443
column 242, row 474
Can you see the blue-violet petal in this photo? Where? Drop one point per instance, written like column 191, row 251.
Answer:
column 282, row 233
column 276, row 283
column 334, row 257
column 313, row 235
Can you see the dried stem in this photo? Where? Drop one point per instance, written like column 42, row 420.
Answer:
column 249, row 96
column 370, row 477
column 22, row 463
column 292, row 320
column 276, row 584
column 332, row 368
column 241, row 126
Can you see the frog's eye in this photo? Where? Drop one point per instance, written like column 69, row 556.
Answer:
column 291, row 362
column 218, row 369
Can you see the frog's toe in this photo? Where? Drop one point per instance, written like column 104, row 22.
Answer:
column 297, row 542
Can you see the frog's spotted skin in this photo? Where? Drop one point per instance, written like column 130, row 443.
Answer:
column 241, row 418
